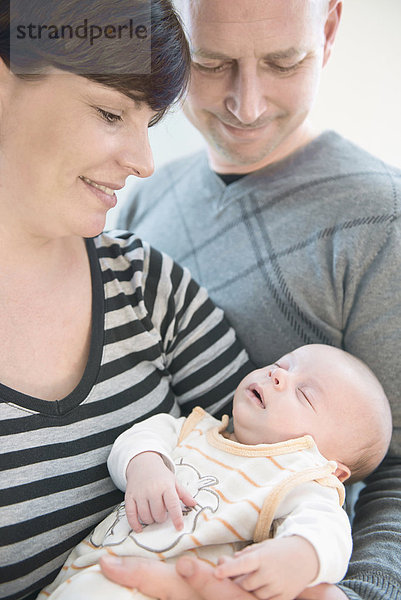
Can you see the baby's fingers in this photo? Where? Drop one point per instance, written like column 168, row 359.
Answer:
column 173, row 506
column 157, row 509
column 132, row 515
column 185, row 496
column 249, row 548
column 237, row 565
column 144, row 513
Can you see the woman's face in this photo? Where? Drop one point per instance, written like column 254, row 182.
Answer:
column 66, row 145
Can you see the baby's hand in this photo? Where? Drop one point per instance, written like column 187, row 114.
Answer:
column 152, row 492
column 279, row 568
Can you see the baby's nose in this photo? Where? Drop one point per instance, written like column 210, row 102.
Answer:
column 277, row 375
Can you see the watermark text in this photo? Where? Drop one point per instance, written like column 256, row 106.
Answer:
column 85, row 31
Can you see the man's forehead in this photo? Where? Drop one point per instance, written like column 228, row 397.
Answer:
column 244, row 11
column 241, row 28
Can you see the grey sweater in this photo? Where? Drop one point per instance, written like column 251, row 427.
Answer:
column 307, row 250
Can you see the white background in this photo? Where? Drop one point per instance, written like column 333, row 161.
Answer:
column 360, row 94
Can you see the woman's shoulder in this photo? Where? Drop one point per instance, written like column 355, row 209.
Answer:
column 117, row 241
column 121, row 256
column 120, row 249
column 126, row 255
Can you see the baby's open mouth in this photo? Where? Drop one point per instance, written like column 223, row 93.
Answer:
column 258, row 395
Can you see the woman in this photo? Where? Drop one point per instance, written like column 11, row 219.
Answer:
column 98, row 330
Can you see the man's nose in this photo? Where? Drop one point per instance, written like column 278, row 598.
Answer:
column 246, row 99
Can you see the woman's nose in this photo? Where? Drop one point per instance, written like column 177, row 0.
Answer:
column 137, row 156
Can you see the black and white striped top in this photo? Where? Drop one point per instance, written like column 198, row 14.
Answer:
column 158, row 344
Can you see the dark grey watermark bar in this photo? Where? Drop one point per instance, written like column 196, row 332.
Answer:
column 83, row 36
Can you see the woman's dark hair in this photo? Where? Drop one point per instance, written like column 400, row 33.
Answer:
column 137, row 47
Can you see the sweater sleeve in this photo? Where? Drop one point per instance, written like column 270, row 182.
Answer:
column 374, row 571
column 156, row 434
column 202, row 355
column 372, row 333
column 313, row 512
column 372, row 313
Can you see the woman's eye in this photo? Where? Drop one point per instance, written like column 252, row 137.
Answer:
column 108, row 116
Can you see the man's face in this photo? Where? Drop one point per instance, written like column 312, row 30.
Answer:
column 256, row 70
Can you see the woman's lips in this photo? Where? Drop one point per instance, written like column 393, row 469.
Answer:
column 100, row 186
column 105, row 194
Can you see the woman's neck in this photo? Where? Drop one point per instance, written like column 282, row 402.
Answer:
column 21, row 249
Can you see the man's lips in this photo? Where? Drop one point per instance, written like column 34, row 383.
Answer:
column 231, row 123
column 243, row 133
column 239, row 127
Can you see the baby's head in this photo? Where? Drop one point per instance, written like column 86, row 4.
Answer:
column 322, row 391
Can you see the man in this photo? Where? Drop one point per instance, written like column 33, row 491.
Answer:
column 295, row 234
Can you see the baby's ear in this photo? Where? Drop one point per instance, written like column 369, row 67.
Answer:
column 342, row 472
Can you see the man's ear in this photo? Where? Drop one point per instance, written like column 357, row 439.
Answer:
column 331, row 27
column 342, row 472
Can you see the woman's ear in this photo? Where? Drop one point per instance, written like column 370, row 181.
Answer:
column 6, row 77
column 4, row 70
column 342, row 472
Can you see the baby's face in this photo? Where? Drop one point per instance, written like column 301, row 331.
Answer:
column 311, row 390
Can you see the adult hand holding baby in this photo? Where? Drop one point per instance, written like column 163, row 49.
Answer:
column 191, row 579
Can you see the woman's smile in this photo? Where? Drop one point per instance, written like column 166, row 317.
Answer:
column 105, row 193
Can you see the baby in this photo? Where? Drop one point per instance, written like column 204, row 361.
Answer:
column 303, row 425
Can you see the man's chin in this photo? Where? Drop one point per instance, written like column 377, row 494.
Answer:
column 227, row 156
